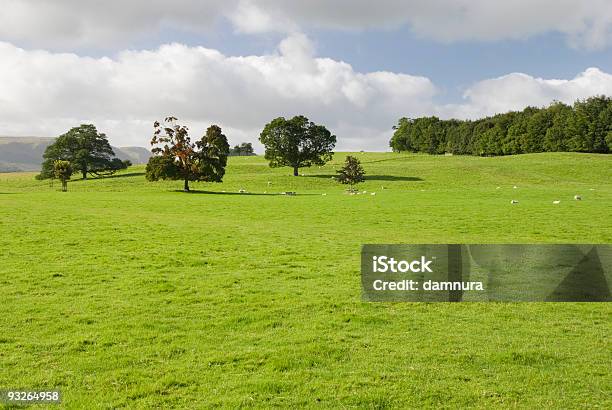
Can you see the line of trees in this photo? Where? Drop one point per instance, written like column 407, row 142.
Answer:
column 298, row 142
column 295, row 143
column 584, row 127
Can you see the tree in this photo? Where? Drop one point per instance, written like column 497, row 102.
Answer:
column 401, row 140
column 176, row 157
column 62, row 170
column 556, row 138
column 351, row 173
column 297, row 143
column 590, row 124
column 87, row 150
column 246, row 148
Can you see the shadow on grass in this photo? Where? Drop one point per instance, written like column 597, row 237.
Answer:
column 195, row 191
column 129, row 174
column 373, row 177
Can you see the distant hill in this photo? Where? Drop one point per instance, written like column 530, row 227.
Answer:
column 25, row 153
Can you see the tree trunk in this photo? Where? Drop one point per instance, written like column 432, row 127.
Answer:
column 64, row 185
column 296, row 171
column 84, row 174
column 186, row 188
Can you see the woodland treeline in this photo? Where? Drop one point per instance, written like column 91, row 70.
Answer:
column 586, row 126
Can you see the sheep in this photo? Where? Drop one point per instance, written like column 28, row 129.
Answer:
column 365, row 192
column 269, row 183
column 515, row 187
column 498, row 187
column 514, row 201
column 577, row 198
column 324, row 194
column 373, row 193
column 241, row 191
column 556, row 202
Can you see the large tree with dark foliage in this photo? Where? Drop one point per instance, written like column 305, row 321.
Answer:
column 87, row 151
column 297, row 143
column 584, row 127
column 176, row 157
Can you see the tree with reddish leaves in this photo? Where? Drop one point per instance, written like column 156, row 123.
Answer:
column 176, row 157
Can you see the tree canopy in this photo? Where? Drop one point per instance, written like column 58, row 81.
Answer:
column 297, row 143
column 246, row 149
column 176, row 157
column 88, row 152
column 584, row 127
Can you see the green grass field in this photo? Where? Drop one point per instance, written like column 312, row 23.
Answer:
column 127, row 294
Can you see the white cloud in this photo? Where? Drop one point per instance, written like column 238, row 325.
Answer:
column 69, row 24
column 45, row 93
column 516, row 91
column 65, row 24
column 586, row 23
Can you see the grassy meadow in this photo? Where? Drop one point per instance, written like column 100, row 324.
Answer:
column 128, row 294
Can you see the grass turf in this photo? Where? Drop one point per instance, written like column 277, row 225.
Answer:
column 125, row 293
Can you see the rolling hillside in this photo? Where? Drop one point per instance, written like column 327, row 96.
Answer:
column 125, row 293
column 25, row 153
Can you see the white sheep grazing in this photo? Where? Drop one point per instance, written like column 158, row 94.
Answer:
column 241, row 191
column 577, row 198
column 373, row 193
column 515, row 187
column 556, row 202
column 514, row 201
column 365, row 192
column 324, row 194
column 498, row 187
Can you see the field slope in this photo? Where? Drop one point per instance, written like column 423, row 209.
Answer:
column 124, row 293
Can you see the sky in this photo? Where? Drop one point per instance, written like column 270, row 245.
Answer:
column 356, row 66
